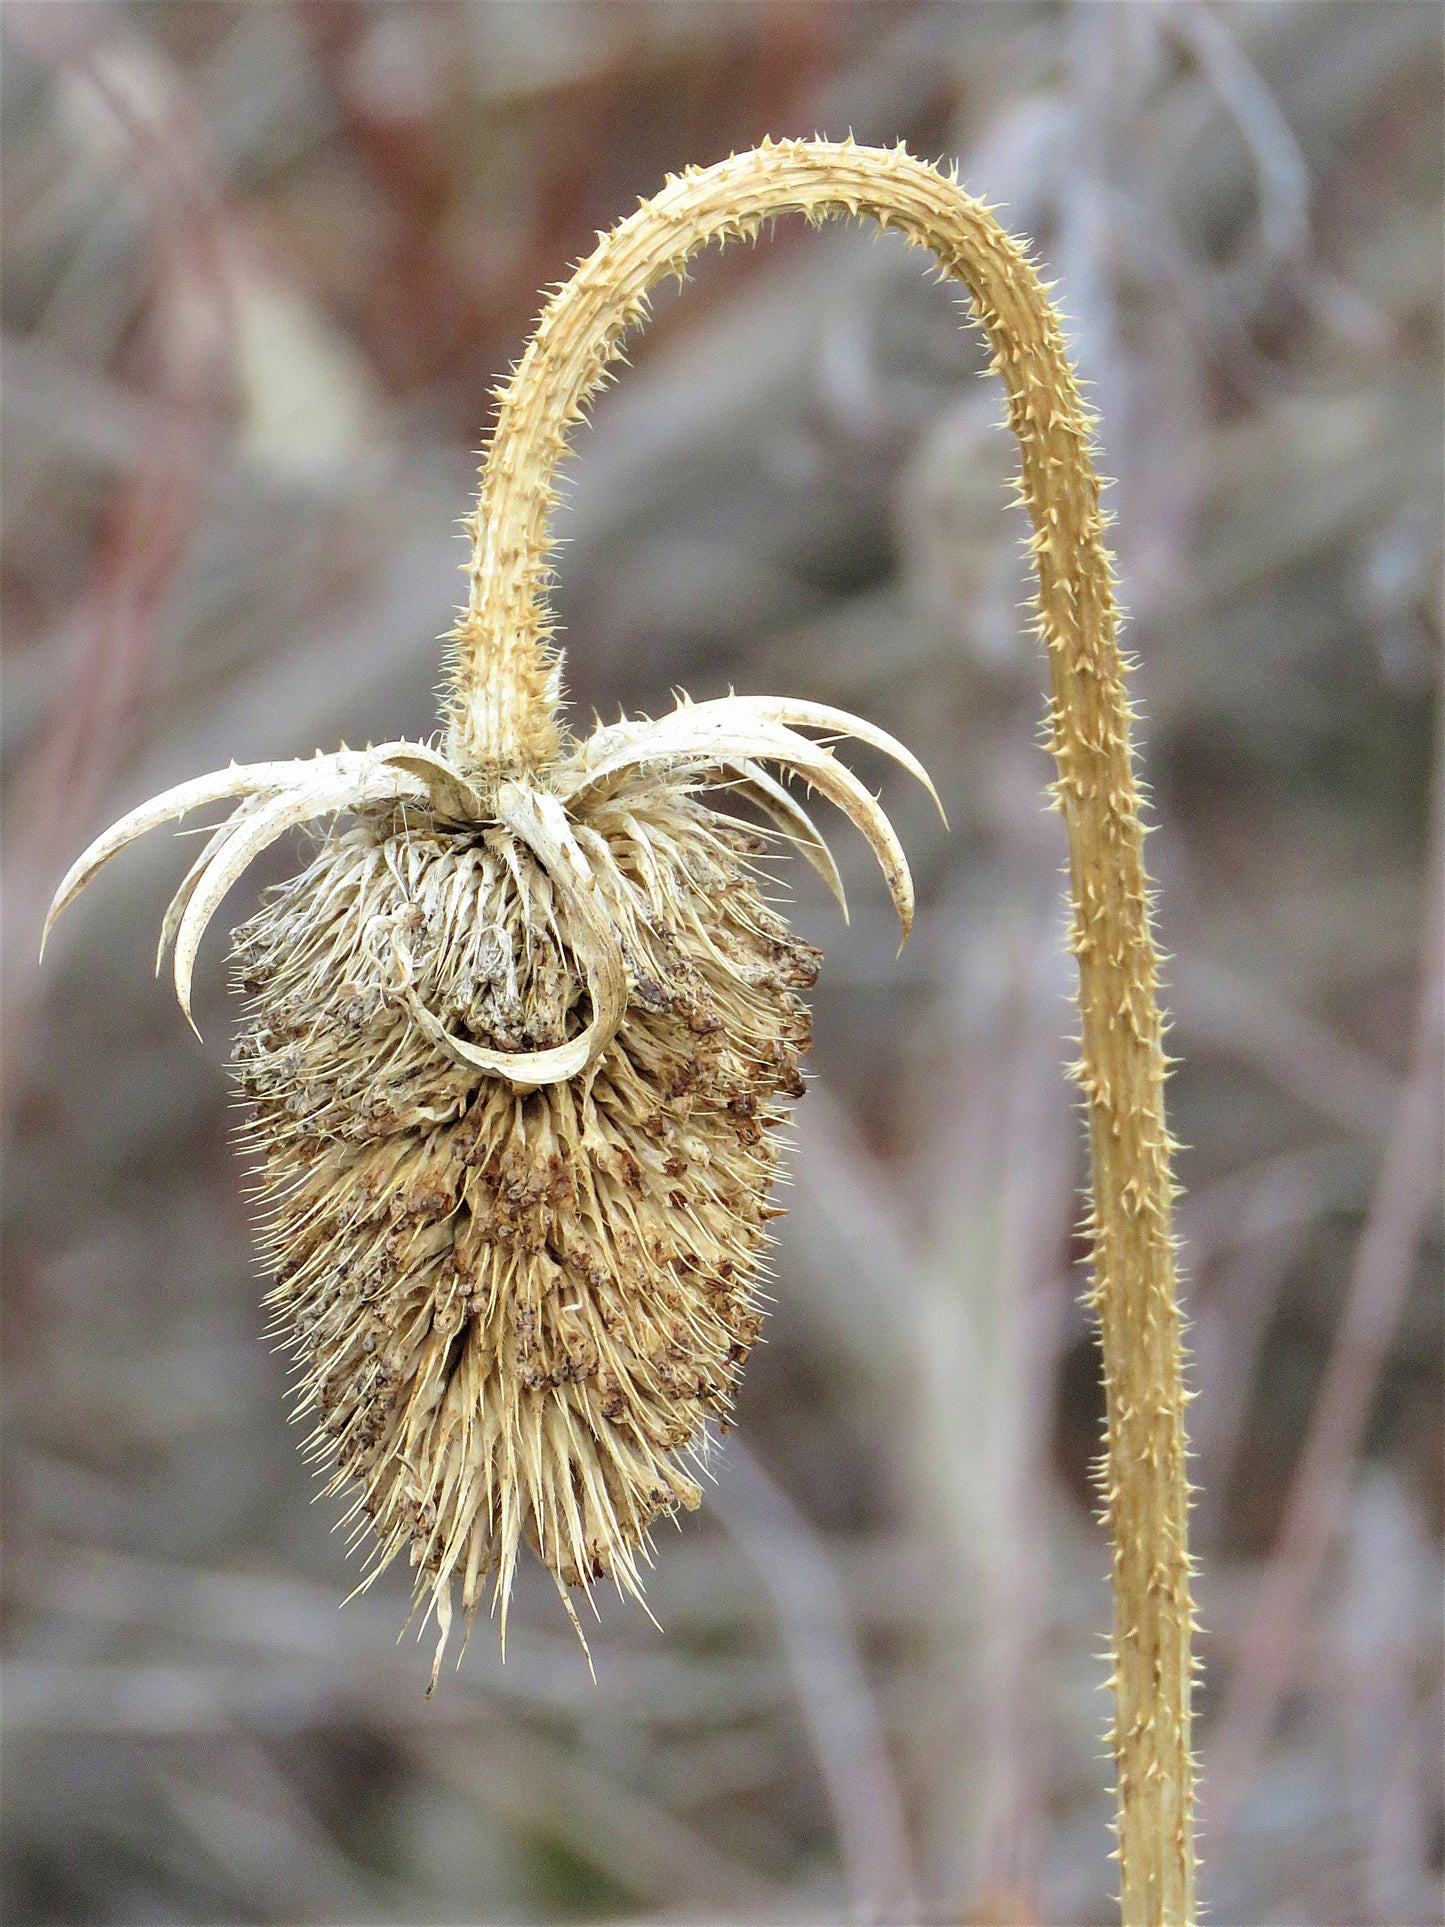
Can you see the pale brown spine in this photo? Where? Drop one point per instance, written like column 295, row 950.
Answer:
column 502, row 713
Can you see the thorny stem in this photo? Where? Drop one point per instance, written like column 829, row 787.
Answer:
column 502, row 713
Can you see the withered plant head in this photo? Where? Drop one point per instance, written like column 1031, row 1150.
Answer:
column 520, row 1037
column 517, row 1045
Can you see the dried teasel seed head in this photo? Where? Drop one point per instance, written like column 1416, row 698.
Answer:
column 514, row 1309
column 519, row 1037
column 516, row 1051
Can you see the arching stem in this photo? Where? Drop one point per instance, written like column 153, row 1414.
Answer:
column 502, row 714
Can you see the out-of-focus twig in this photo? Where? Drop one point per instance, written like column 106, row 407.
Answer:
column 1284, row 181
column 551, row 1792
column 150, row 520
column 244, row 1810
column 833, row 1690
column 1230, row 1331
column 1272, row 1196
column 1380, row 1281
column 1308, row 1059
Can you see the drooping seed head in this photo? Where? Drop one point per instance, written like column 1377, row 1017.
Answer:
column 513, row 783
column 515, row 1057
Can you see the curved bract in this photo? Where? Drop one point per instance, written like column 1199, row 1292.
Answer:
column 519, row 1038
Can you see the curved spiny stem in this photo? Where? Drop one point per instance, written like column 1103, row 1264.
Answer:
column 502, row 713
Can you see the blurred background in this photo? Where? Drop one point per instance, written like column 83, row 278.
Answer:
column 262, row 266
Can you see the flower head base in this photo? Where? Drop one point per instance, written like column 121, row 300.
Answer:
column 516, row 1052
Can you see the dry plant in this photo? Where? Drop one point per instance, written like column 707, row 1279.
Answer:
column 519, row 1039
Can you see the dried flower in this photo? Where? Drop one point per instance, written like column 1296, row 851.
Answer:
column 518, row 1041
column 519, row 1038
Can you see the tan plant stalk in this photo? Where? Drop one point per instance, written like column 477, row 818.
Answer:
column 517, row 1040
column 512, row 717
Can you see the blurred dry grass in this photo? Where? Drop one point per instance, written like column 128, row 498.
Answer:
column 262, row 264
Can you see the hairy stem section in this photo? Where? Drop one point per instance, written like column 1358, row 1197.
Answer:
column 502, row 712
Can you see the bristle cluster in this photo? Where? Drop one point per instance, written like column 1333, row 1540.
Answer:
column 516, row 1051
column 514, row 1311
